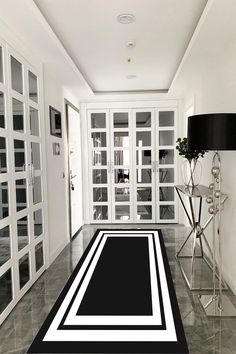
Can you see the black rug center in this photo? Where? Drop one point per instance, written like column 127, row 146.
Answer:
column 120, row 284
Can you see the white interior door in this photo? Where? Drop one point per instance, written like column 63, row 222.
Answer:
column 75, row 174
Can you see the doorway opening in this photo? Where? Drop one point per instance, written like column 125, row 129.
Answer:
column 74, row 169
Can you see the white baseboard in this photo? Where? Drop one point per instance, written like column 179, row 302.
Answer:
column 56, row 252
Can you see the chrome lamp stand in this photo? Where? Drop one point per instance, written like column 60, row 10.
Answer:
column 217, row 304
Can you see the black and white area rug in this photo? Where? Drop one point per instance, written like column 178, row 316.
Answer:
column 119, row 299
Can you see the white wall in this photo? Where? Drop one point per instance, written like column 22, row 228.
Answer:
column 209, row 75
column 28, row 33
column 56, row 171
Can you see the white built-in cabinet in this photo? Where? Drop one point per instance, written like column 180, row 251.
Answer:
column 22, row 178
column 132, row 160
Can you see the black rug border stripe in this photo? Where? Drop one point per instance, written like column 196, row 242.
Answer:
column 179, row 347
column 62, row 325
column 118, row 327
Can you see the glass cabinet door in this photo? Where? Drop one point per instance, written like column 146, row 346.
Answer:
column 144, row 166
column 121, row 146
column 100, row 164
column 22, row 196
column 165, row 152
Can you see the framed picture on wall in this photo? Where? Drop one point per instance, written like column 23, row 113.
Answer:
column 55, row 122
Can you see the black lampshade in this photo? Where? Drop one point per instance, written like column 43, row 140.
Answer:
column 214, row 131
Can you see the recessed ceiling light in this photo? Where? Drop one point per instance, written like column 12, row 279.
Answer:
column 131, row 77
column 126, row 18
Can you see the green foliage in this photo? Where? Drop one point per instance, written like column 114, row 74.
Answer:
column 182, row 147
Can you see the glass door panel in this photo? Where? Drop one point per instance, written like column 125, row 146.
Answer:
column 2, row 110
column 121, row 152
column 166, row 118
column 166, row 137
column 1, row 65
column 165, row 131
column 24, row 270
column 5, row 245
column 22, row 232
column 6, row 293
column 16, row 75
column 144, row 186
column 100, row 168
column 33, row 86
column 39, row 256
column 4, row 197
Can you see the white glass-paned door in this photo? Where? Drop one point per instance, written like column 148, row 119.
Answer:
column 121, row 169
column 22, row 196
column 166, row 165
column 100, row 166
column 144, row 166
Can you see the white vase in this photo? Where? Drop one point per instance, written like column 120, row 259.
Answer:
column 191, row 172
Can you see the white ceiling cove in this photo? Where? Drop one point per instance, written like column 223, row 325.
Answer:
column 96, row 41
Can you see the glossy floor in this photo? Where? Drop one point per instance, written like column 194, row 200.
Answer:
column 204, row 335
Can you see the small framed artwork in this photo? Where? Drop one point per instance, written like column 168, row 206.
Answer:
column 55, row 122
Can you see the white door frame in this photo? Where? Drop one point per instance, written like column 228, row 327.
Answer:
column 67, row 105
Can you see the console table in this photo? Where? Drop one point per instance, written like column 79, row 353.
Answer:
column 194, row 217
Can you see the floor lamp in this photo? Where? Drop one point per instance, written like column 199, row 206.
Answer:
column 214, row 132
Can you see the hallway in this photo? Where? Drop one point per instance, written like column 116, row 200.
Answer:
column 204, row 335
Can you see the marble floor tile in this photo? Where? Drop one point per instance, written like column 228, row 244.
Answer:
column 204, row 335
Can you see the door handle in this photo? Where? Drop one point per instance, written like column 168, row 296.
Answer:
column 71, row 177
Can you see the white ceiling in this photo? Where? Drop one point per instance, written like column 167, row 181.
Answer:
column 90, row 33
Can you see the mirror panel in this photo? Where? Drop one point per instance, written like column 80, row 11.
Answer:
column 122, row 212
column 99, row 158
column 39, row 259
column 121, row 175
column 121, row 120
column 22, row 232
column 2, row 110
column 1, row 65
column 100, row 176
column 121, row 139
column 100, row 212
column 99, row 139
column 143, row 119
column 19, row 153
column 38, row 223
column 144, row 212
column 5, row 245
column 98, row 120
column 16, row 75
column 4, row 206
column 100, row 194
column 21, row 194
column 34, row 122
column 3, row 155
column 166, row 118
column 167, row 212
column 5, row 290
column 24, row 271
column 33, row 87
column 18, row 115
column 122, row 194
